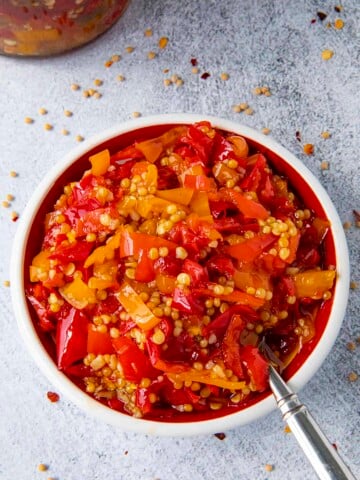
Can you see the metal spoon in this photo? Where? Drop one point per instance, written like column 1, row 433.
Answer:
column 320, row 452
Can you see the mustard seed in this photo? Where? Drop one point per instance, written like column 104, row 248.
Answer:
column 236, row 108
column 120, row 78
column 129, row 49
column 224, row 76
column 327, row 54
column 195, row 70
column 42, row 467
column 249, row 111
column 13, row 173
column 148, row 32
column 115, row 58
column 98, row 82
column 167, row 82
column 5, row 204
column 48, row 126
column 266, row 131
column 68, row 113
column 269, row 468
column 65, row 132
column 6, row 283
column 163, row 42
column 79, row 138
column 353, row 285
column 353, row 376
column 308, row 149
column 324, row 165
column 75, row 86
column 28, row 120
column 42, row 111
column 136, row 114
column 325, row 135
column 338, row 24
column 151, row 55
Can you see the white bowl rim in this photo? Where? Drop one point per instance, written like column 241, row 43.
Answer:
column 123, row 421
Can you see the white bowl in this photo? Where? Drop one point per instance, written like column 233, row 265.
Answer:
column 291, row 165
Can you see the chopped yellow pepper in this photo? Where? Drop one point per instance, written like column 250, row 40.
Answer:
column 314, row 283
column 136, row 308
column 78, row 294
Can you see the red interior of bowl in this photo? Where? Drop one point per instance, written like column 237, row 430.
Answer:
column 298, row 184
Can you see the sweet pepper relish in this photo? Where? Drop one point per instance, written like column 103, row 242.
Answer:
column 163, row 268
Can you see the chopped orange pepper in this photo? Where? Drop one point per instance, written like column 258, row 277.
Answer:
column 100, row 162
column 240, row 146
column 151, row 149
column 200, row 205
column 165, row 283
column 247, row 207
column 179, row 195
column 136, row 308
column 313, row 283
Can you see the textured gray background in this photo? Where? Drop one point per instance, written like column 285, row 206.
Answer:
column 258, row 43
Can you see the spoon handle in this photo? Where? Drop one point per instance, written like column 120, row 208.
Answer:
column 322, row 455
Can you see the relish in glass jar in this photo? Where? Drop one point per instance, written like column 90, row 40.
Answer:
column 47, row 27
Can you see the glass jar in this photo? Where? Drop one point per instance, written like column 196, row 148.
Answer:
column 47, row 27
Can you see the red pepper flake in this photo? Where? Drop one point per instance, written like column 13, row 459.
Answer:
column 126, row 452
column 53, row 396
column 356, row 215
column 220, row 436
column 313, row 20
column 205, row 75
column 194, row 62
column 298, row 136
column 321, row 15
column 335, row 446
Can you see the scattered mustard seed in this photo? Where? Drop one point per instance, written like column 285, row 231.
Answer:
column 68, row 113
column 6, row 283
column 327, row 54
column 257, row 91
column 42, row 111
column 268, row 467
column 97, row 95
column 166, row 70
column 308, row 149
column 48, row 126
column 13, row 173
column 326, row 134
column 120, row 78
column 42, row 467
column 10, row 197
column 287, row 429
column 28, row 120
column 236, row 108
column 224, row 76
column 64, row 131
column 195, row 70
column 151, row 55
column 179, row 82
column 351, row 346
column 129, row 49
column 264, row 90
column 136, row 114
column 115, row 58
column 174, row 78
column 5, row 204
column 163, row 42
column 324, row 165
column 353, row 376
column 267, row 93
column 108, row 64
column 347, row 225
column 243, row 106
column 98, row 82
column 148, row 32
column 266, row 131
column 85, row 94
column 249, row 111
column 91, row 92
column 339, row 24
column 79, row 138
column 75, row 86
column 167, row 82
column 353, row 285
